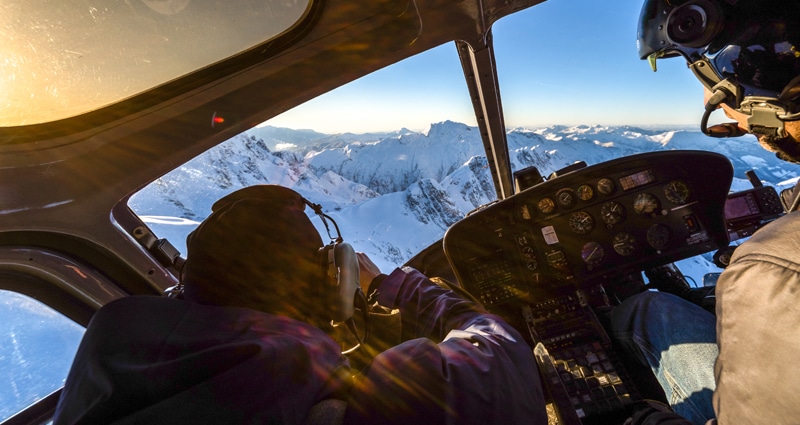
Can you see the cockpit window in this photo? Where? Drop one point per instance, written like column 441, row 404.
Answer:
column 61, row 59
column 37, row 345
column 375, row 153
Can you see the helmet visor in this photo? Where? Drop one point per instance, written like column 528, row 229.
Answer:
column 762, row 54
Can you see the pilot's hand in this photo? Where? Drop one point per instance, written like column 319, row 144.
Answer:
column 367, row 270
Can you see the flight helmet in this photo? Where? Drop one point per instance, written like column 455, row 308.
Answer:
column 745, row 52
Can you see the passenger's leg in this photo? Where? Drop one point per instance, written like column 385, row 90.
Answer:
column 677, row 339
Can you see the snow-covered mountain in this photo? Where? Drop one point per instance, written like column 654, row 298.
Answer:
column 393, row 194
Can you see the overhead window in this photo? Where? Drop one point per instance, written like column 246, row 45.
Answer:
column 61, row 59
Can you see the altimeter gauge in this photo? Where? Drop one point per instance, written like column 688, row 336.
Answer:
column 565, row 198
column 581, row 222
column 612, row 212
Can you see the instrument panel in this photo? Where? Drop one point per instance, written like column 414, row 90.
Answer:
column 608, row 219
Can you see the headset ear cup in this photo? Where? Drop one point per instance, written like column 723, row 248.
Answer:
column 695, row 23
column 347, row 263
column 340, row 265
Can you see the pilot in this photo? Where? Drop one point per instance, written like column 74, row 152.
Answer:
column 746, row 54
column 248, row 340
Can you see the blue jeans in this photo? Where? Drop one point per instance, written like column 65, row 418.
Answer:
column 677, row 340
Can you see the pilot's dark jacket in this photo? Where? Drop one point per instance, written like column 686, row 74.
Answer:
column 758, row 329
column 157, row 360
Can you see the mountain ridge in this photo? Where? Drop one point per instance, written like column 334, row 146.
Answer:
column 395, row 193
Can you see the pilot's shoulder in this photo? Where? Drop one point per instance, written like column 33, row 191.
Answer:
column 778, row 240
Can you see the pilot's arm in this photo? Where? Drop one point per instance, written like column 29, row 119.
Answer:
column 456, row 364
column 757, row 328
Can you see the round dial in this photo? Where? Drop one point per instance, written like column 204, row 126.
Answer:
column 645, row 204
column 546, row 205
column 658, row 236
column 605, row 186
column 612, row 212
column 566, row 198
column 592, row 254
column 624, row 244
column 581, row 222
column 530, row 258
column 585, row 192
column 677, row 192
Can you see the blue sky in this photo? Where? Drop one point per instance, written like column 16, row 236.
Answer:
column 562, row 62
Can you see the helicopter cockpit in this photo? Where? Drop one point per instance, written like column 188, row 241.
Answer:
column 110, row 110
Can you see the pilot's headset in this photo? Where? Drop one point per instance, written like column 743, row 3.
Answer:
column 340, row 292
column 745, row 52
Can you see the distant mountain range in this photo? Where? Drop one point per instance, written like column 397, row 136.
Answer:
column 394, row 193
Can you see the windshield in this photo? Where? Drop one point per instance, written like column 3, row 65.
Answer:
column 49, row 71
column 396, row 157
column 380, row 166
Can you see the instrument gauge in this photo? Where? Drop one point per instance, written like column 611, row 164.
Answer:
column 585, row 192
column 566, row 198
column 658, row 236
column 645, row 204
column 546, row 205
column 528, row 253
column 524, row 212
column 677, row 192
column 530, row 258
column 557, row 259
column 581, row 222
column 592, row 254
column 606, row 186
column 612, row 212
column 624, row 244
